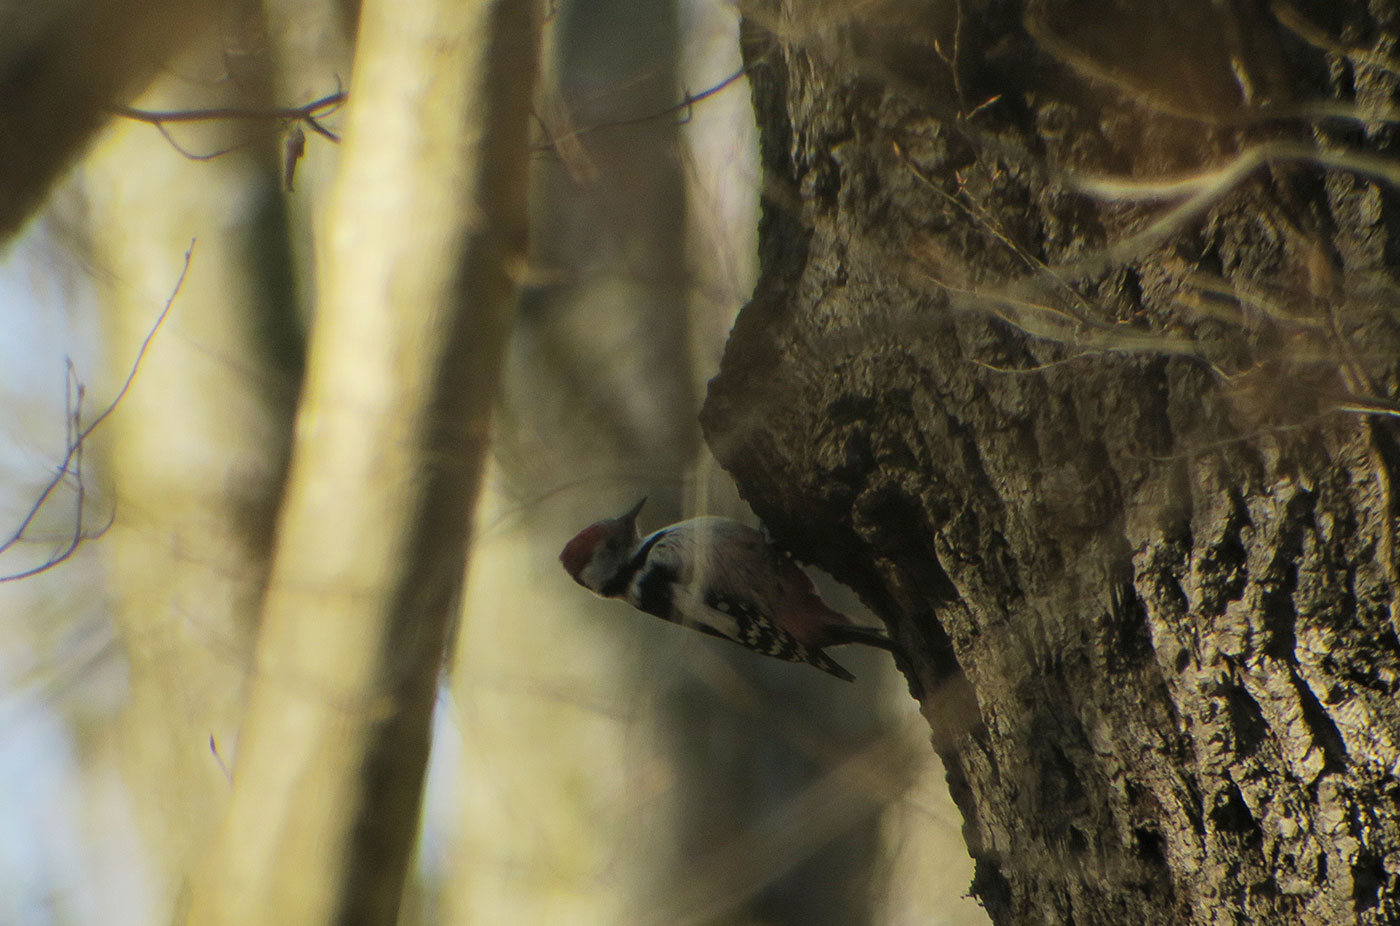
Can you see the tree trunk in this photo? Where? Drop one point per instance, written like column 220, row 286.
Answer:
column 423, row 243
column 1113, row 459
column 194, row 457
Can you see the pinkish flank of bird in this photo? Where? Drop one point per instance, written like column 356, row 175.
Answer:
column 719, row 577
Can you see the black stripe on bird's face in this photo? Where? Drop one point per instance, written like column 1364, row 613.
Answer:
column 656, row 591
column 617, row 586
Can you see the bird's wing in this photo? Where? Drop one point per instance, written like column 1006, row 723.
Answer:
column 722, row 555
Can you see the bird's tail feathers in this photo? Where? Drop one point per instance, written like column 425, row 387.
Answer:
column 854, row 633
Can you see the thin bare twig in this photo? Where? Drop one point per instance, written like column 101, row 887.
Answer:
column 308, row 115
column 78, row 433
column 983, row 220
column 248, row 113
column 685, row 105
column 186, row 153
column 223, row 766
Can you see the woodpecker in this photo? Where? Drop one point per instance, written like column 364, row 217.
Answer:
column 718, row 577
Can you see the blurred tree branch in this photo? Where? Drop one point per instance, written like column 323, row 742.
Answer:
column 308, row 113
column 424, row 243
column 291, row 118
column 62, row 66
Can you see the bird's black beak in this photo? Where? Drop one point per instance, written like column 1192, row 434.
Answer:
column 631, row 516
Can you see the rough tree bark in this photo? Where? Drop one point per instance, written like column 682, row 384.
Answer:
column 1114, row 460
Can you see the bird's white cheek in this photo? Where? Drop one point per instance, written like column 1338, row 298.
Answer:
column 591, row 577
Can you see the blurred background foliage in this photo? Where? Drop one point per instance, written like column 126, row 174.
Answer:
column 590, row 765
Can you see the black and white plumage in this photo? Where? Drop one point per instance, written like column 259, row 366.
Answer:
column 719, row 577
